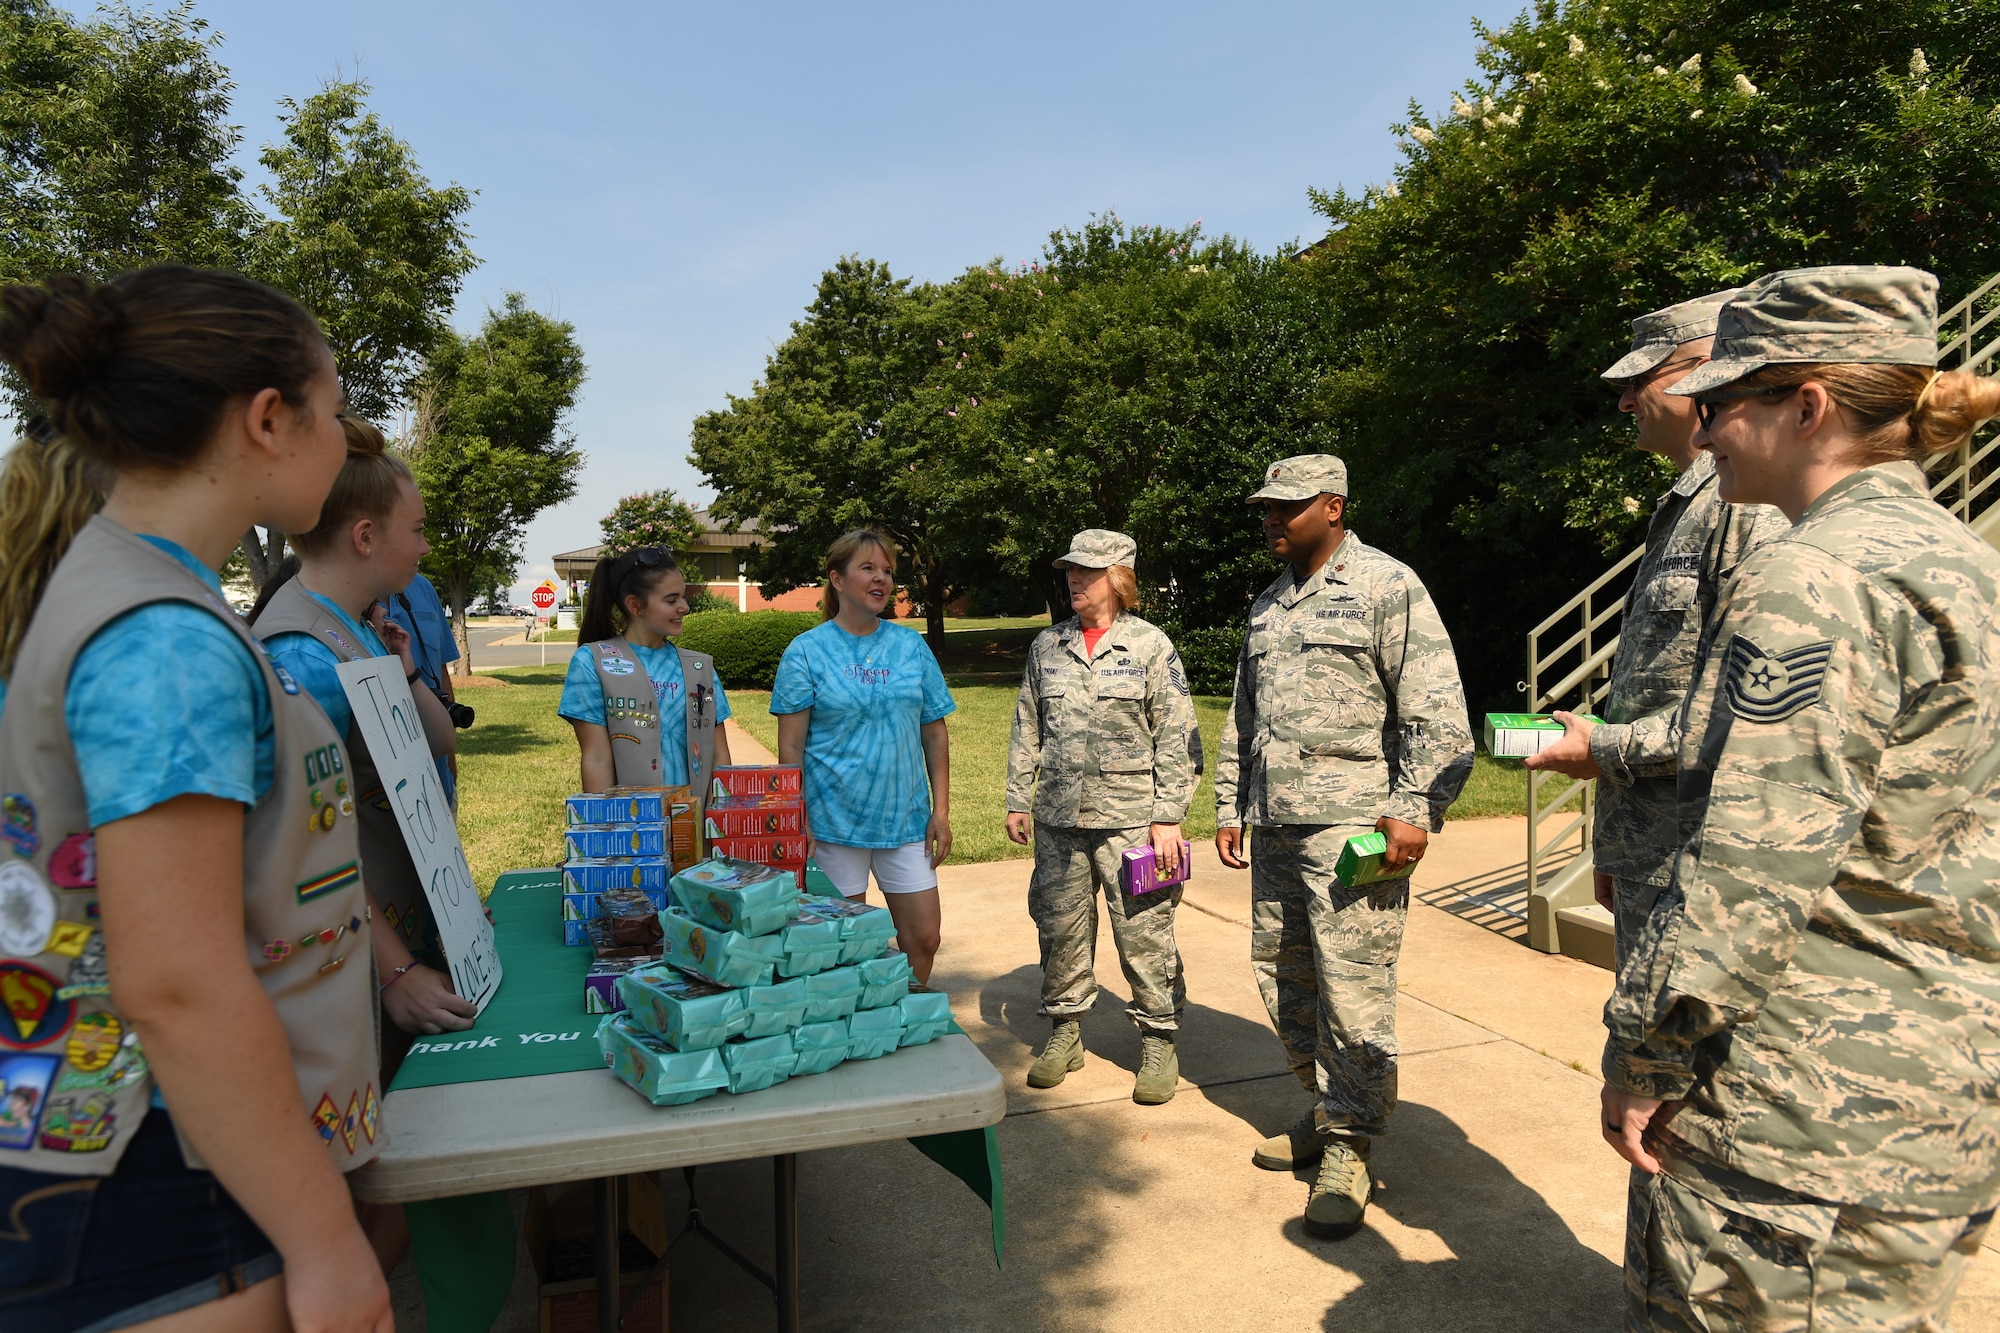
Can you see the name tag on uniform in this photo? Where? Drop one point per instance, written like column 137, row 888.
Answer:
column 1687, row 563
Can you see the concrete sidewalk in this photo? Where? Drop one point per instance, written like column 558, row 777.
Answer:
column 1499, row 1206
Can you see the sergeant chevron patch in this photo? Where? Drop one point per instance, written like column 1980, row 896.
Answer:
column 1770, row 687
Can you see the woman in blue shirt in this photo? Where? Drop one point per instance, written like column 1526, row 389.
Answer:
column 861, row 705
column 156, row 818
column 636, row 603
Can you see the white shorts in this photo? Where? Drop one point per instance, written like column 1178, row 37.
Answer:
column 905, row 869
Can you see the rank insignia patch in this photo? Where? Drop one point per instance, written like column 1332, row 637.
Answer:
column 1770, row 687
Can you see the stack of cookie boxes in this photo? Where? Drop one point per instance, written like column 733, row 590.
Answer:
column 757, row 813
column 761, row 982
column 623, row 839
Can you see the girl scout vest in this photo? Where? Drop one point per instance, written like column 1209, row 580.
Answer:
column 77, row 1084
column 385, row 857
column 632, row 715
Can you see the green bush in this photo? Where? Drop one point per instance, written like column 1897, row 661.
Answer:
column 703, row 598
column 1209, row 657
column 746, row 648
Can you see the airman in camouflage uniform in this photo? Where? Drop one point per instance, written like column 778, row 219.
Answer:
column 1104, row 747
column 1348, row 716
column 1693, row 546
column 1816, row 1000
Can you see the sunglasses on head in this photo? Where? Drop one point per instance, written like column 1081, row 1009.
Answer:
column 1708, row 405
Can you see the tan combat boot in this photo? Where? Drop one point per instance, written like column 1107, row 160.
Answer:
column 1296, row 1147
column 1340, row 1196
column 1159, row 1070
column 1062, row 1056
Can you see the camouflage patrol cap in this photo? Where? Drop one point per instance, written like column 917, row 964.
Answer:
column 1100, row 548
column 1301, row 478
column 1655, row 336
column 1844, row 313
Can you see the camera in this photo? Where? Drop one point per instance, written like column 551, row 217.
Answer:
column 461, row 714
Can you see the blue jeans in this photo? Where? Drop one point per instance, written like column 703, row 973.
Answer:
column 88, row 1254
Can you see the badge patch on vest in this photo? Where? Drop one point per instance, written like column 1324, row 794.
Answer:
column 1770, row 687
column 371, row 1114
column 331, row 882
column 17, row 824
column 285, row 681
column 27, row 1078
column 619, row 666
column 79, row 1124
column 28, row 911
column 73, row 864
column 326, row 1118
column 36, row 1014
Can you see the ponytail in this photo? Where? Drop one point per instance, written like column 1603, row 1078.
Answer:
column 614, row 578
column 48, row 491
column 1899, row 413
column 286, row 571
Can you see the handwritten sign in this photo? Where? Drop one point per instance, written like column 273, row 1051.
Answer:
column 388, row 719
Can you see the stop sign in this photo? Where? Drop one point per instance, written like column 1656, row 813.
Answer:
column 544, row 596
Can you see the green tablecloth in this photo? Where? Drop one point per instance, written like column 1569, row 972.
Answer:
column 464, row 1247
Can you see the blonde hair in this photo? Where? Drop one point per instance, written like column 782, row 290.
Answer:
column 369, row 484
column 1125, row 583
column 842, row 554
column 1899, row 413
column 48, row 491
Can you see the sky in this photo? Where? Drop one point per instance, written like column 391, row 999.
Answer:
column 673, row 179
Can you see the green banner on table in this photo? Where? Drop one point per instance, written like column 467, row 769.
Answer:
column 536, row 1023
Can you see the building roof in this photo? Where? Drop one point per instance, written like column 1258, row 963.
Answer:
column 577, row 564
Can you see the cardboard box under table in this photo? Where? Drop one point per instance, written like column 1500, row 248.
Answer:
column 524, row 1099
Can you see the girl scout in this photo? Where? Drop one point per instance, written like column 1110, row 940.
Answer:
column 158, row 816
column 315, row 615
column 1105, row 753
column 1800, row 1060
column 646, row 714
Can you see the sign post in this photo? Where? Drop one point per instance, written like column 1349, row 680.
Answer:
column 544, row 598
column 387, row 716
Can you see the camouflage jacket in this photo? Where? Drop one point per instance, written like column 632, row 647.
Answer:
column 1822, row 982
column 1347, row 705
column 1112, row 735
column 1693, row 547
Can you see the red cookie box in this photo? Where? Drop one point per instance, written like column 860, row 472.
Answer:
column 756, row 780
column 786, row 851
column 754, row 816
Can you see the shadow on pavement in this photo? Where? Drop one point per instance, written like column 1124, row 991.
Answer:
column 1455, row 1241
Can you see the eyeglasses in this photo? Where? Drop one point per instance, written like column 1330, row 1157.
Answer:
column 652, row 557
column 1708, row 405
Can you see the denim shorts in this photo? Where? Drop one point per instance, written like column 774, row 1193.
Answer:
column 88, row 1254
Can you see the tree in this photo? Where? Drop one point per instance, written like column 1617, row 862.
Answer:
column 491, row 447
column 650, row 518
column 846, row 430
column 1609, row 159
column 365, row 242
column 114, row 143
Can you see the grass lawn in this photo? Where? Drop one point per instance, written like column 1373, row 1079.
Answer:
column 520, row 761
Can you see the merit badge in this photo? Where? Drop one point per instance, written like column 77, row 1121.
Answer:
column 28, row 910
column 17, row 823
column 88, row 975
column 285, row 681
column 24, row 1083
column 36, row 1015
column 619, row 666
column 277, row 951
column 73, row 864
column 70, row 938
column 93, row 1042
column 371, row 1114
column 1770, row 687
column 350, row 1124
column 79, row 1124
column 326, row 1117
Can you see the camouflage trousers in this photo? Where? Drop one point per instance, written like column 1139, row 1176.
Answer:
column 1325, row 960
column 1761, row 1259
column 1632, row 906
column 1072, row 867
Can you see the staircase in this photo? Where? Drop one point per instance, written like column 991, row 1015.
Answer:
column 1569, row 658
